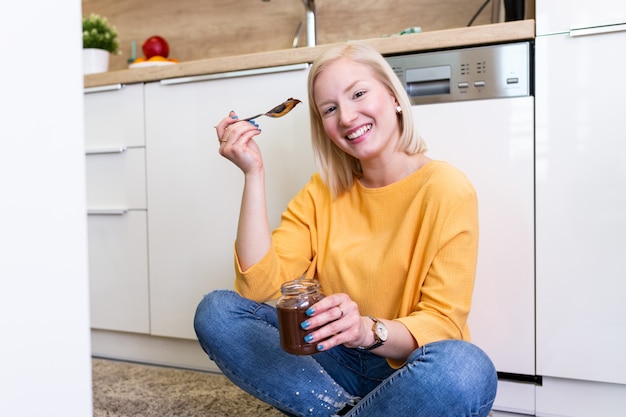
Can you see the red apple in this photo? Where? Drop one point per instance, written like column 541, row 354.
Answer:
column 155, row 46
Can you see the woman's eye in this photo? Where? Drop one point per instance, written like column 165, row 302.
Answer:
column 359, row 94
column 328, row 110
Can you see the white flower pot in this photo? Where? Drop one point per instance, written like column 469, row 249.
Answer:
column 95, row 60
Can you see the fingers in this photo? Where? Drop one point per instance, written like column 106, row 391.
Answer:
column 226, row 132
column 222, row 126
column 336, row 321
column 332, row 308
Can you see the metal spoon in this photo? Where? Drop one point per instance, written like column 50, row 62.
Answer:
column 278, row 111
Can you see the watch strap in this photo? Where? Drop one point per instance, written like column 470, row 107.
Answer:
column 377, row 341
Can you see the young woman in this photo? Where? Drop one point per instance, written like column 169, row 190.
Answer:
column 392, row 237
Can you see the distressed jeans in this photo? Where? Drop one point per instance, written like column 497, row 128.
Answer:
column 449, row 378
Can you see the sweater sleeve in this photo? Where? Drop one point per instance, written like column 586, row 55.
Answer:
column 291, row 254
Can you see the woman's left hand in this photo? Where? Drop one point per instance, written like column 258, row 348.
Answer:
column 337, row 321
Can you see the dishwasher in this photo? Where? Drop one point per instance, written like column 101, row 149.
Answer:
column 475, row 109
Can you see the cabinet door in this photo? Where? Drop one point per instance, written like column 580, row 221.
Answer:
column 114, row 116
column 118, row 271
column 194, row 194
column 581, row 207
column 116, row 179
column 559, row 16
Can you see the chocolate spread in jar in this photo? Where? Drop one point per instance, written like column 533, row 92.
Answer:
column 297, row 296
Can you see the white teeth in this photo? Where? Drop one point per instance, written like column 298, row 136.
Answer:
column 359, row 132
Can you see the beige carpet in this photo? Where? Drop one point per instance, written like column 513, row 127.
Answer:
column 122, row 389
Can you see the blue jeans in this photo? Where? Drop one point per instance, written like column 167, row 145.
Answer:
column 448, row 378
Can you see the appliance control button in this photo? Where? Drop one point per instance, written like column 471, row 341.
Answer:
column 479, row 83
column 513, row 80
column 463, row 85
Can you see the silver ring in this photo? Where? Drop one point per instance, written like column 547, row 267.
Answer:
column 339, row 307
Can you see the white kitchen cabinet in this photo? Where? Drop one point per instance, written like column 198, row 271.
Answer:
column 116, row 208
column 581, row 212
column 581, row 207
column 118, row 270
column 114, row 116
column 561, row 16
column 116, row 179
column 194, row 193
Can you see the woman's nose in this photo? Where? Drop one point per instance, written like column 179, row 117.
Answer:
column 347, row 114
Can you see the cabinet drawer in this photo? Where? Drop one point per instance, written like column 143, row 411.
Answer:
column 115, row 117
column 116, row 180
column 118, row 272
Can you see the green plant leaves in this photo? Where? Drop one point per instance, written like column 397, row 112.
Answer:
column 99, row 33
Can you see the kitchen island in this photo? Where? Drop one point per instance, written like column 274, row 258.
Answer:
column 426, row 41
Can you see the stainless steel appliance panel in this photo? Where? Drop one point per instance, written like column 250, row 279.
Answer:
column 469, row 74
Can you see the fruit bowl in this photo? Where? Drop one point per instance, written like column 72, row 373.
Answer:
column 155, row 61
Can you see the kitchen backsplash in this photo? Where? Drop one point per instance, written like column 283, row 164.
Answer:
column 198, row 29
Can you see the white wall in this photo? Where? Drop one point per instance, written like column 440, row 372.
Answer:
column 45, row 367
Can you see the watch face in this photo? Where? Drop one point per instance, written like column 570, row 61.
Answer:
column 381, row 331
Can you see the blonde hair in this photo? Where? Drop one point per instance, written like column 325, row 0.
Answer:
column 337, row 168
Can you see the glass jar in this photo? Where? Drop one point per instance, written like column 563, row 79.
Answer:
column 297, row 296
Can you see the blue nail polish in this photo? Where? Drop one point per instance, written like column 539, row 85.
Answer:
column 308, row 338
column 305, row 324
column 234, row 117
column 310, row 311
column 320, row 347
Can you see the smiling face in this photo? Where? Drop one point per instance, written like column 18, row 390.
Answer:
column 358, row 111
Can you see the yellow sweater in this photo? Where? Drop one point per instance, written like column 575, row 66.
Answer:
column 406, row 251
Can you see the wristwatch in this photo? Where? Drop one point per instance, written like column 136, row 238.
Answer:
column 380, row 333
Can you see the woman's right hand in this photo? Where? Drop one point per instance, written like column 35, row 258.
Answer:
column 236, row 143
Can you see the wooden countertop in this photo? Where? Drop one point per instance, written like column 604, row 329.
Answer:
column 443, row 39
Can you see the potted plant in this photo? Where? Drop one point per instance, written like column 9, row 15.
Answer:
column 99, row 42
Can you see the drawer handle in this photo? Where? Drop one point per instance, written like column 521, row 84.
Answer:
column 597, row 30
column 111, row 87
column 106, row 150
column 107, row 212
column 234, row 74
